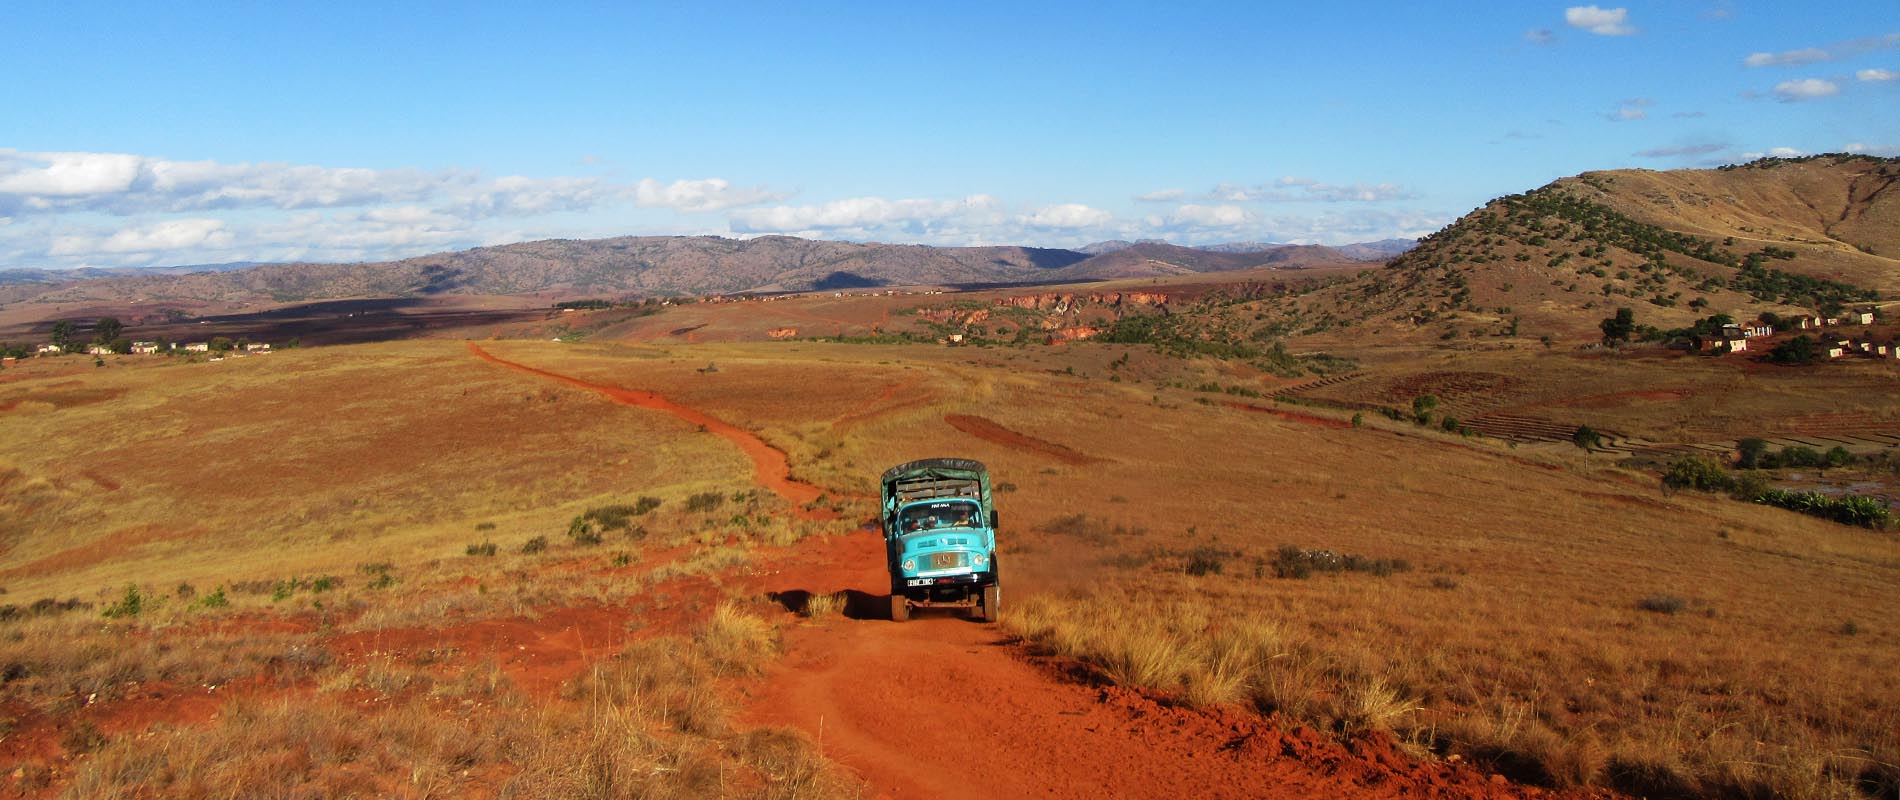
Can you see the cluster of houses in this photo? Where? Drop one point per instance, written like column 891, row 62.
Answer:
column 1735, row 338
column 151, row 348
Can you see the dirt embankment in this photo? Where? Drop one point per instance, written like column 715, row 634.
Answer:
column 989, row 431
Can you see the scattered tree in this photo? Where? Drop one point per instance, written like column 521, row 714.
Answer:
column 1618, row 328
column 1586, row 437
column 106, row 329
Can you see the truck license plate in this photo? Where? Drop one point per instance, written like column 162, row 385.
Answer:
column 946, row 560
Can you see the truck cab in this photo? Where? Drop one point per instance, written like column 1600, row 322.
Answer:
column 939, row 524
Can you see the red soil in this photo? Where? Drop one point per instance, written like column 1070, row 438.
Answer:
column 941, row 707
column 769, row 466
column 989, row 431
column 1295, row 416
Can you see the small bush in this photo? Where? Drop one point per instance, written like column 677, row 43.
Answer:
column 535, row 545
column 1697, row 472
column 704, row 501
column 1205, row 561
column 130, row 605
column 381, row 574
column 483, row 549
column 1663, row 604
column 215, row 599
column 484, row 526
column 821, row 607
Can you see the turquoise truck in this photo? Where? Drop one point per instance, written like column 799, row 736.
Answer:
column 939, row 525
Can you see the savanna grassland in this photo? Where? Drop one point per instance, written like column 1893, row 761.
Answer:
column 403, row 569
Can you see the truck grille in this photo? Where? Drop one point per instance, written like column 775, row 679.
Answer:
column 946, row 560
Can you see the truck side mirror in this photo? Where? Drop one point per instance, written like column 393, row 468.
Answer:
column 992, row 519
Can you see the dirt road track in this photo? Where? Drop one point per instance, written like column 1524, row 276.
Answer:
column 769, row 466
column 945, row 707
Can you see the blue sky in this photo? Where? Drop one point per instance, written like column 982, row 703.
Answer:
column 196, row 133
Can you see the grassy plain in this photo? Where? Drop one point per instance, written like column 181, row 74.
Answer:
column 1511, row 623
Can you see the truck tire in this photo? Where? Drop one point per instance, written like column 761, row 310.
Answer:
column 900, row 608
column 992, row 602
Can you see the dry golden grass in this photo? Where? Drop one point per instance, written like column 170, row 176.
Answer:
column 1516, row 639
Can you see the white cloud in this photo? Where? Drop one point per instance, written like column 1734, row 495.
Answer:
column 711, row 194
column 1887, row 150
column 1540, row 36
column 1683, row 150
column 1600, row 21
column 1791, row 58
column 1630, row 110
column 61, row 175
column 1161, row 196
column 1068, row 215
column 126, row 184
column 1199, row 216
column 1297, row 189
column 1832, row 52
column 859, row 213
column 1878, row 75
column 170, row 235
column 1805, row 89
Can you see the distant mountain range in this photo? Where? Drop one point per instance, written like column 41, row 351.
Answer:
column 664, row 265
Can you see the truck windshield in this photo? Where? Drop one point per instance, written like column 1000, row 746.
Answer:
column 952, row 514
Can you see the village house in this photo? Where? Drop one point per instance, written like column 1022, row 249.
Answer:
column 145, row 348
column 99, row 350
column 8, row 360
column 1837, row 348
column 257, row 347
column 1756, row 327
column 198, row 347
column 1805, row 322
column 1862, row 316
column 50, row 350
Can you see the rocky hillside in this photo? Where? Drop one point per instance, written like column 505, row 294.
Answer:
column 662, row 265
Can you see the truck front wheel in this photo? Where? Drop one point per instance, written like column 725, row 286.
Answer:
column 992, row 602
column 900, row 608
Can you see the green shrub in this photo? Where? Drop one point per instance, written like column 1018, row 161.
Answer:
column 483, row 549
column 1205, row 560
column 215, row 599
column 130, row 605
column 1586, row 437
column 535, row 545
column 1697, row 472
column 1861, row 510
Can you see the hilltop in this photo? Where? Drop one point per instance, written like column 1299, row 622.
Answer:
column 1776, row 235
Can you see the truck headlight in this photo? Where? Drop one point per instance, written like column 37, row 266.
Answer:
column 979, row 560
column 910, row 565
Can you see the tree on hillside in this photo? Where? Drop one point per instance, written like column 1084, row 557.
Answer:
column 1799, row 350
column 63, row 334
column 221, row 344
column 1618, row 328
column 1753, row 453
column 1586, row 437
column 106, row 329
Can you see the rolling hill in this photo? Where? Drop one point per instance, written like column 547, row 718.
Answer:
column 1780, row 235
column 659, row 265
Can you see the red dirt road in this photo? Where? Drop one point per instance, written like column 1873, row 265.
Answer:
column 769, row 466
column 943, row 707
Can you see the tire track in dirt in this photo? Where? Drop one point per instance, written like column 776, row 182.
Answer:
column 988, row 430
column 770, row 467
column 945, row 707
column 876, row 407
